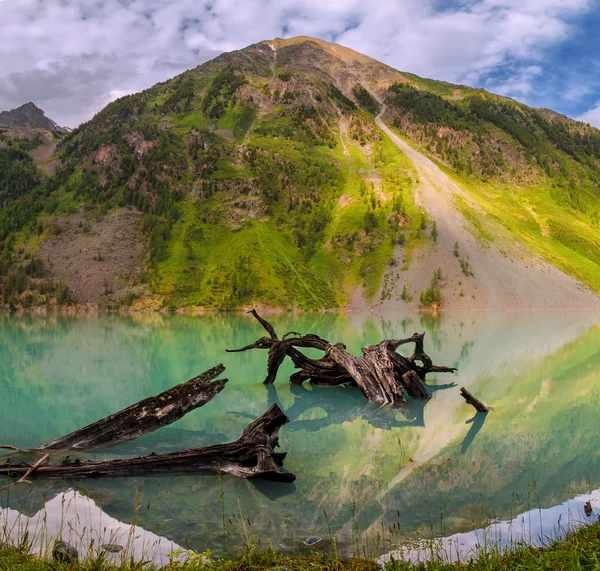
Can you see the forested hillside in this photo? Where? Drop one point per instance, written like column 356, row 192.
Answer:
column 261, row 177
column 490, row 137
column 24, row 195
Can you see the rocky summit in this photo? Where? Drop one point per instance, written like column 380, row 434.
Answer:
column 28, row 116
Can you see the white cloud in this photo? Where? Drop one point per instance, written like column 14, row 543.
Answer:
column 592, row 116
column 519, row 82
column 465, row 44
column 72, row 56
column 576, row 91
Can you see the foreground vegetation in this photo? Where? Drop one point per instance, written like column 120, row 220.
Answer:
column 579, row 550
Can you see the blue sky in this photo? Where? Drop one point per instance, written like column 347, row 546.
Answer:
column 566, row 77
column 71, row 57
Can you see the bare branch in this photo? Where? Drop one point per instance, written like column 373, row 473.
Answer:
column 474, row 402
column 269, row 328
column 262, row 343
column 32, row 469
column 290, row 333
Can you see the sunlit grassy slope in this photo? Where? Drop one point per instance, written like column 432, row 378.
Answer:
column 529, row 214
column 210, row 265
column 566, row 238
column 532, row 173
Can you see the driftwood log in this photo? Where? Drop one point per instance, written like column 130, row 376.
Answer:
column 474, row 402
column 382, row 374
column 251, row 456
column 145, row 416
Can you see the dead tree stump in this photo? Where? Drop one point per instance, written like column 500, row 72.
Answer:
column 413, row 385
column 379, row 372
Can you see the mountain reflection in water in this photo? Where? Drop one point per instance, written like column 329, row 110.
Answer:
column 426, row 469
column 77, row 520
column 536, row 527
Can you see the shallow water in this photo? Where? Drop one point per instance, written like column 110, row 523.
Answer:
column 370, row 477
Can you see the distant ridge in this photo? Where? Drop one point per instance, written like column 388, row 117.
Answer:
column 29, row 116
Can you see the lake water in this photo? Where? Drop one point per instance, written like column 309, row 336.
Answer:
column 369, row 477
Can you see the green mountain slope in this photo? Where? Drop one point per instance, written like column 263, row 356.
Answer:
column 23, row 197
column 261, row 177
column 535, row 172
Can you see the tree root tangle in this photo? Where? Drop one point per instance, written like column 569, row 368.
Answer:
column 382, row 374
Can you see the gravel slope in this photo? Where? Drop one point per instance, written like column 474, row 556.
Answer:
column 511, row 279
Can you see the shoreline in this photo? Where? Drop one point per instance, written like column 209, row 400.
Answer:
column 577, row 550
column 431, row 312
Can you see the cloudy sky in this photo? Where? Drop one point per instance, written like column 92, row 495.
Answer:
column 71, row 57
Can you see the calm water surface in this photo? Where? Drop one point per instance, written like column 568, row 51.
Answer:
column 364, row 474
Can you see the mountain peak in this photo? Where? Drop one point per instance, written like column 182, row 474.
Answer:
column 28, row 116
column 342, row 52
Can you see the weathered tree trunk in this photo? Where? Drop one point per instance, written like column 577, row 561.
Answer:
column 374, row 372
column 145, row 416
column 324, row 371
column 413, row 385
column 476, row 403
column 252, row 456
column 380, row 373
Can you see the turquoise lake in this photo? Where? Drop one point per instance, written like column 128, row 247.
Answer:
column 365, row 476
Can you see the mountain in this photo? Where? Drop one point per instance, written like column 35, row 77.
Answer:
column 301, row 174
column 28, row 116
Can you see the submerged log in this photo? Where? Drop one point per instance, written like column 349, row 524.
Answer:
column 251, row 456
column 476, row 403
column 145, row 416
column 380, row 373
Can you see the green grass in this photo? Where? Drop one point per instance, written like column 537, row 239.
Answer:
column 480, row 231
column 441, row 88
column 12, row 559
column 219, row 261
column 580, row 550
column 204, row 260
column 182, row 124
column 395, row 173
column 562, row 236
